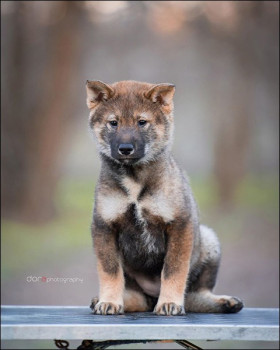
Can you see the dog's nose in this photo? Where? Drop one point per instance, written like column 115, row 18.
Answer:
column 126, row 149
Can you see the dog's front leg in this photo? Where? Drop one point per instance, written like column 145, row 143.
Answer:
column 110, row 272
column 175, row 269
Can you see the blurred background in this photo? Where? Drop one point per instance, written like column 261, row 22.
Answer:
column 223, row 58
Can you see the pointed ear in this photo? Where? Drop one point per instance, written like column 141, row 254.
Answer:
column 162, row 93
column 97, row 91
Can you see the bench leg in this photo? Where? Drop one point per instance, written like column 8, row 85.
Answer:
column 101, row 345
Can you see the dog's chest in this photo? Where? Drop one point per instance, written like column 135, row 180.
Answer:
column 133, row 190
column 142, row 238
column 114, row 204
column 141, row 221
column 155, row 203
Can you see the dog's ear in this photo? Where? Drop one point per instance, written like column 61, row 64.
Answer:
column 162, row 93
column 97, row 91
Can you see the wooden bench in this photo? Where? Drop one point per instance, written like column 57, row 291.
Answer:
column 76, row 322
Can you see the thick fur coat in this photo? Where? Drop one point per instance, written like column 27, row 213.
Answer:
column 152, row 253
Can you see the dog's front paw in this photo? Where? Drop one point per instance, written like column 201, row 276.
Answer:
column 168, row 309
column 106, row 308
column 93, row 302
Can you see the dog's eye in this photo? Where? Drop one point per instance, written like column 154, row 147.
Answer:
column 114, row 123
column 142, row 122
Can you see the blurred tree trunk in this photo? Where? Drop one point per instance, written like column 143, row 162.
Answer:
column 38, row 70
column 233, row 129
column 231, row 144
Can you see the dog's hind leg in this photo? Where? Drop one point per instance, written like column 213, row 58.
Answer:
column 200, row 298
column 135, row 301
column 206, row 301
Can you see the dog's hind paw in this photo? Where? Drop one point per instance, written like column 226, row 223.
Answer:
column 231, row 305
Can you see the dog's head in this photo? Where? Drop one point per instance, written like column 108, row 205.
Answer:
column 132, row 121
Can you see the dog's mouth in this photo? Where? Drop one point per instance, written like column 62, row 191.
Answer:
column 128, row 160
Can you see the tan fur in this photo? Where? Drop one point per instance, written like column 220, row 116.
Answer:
column 173, row 286
column 134, row 301
column 111, row 287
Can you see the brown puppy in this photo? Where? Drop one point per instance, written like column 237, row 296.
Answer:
column 152, row 252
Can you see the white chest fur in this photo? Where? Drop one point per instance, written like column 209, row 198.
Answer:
column 113, row 204
column 133, row 188
column 157, row 204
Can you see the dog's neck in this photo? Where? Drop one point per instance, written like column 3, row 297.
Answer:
column 137, row 171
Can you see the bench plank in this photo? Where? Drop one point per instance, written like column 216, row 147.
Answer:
column 76, row 322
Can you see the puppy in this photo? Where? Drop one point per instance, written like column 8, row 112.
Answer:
column 152, row 253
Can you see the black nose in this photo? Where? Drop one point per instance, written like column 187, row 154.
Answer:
column 126, row 149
